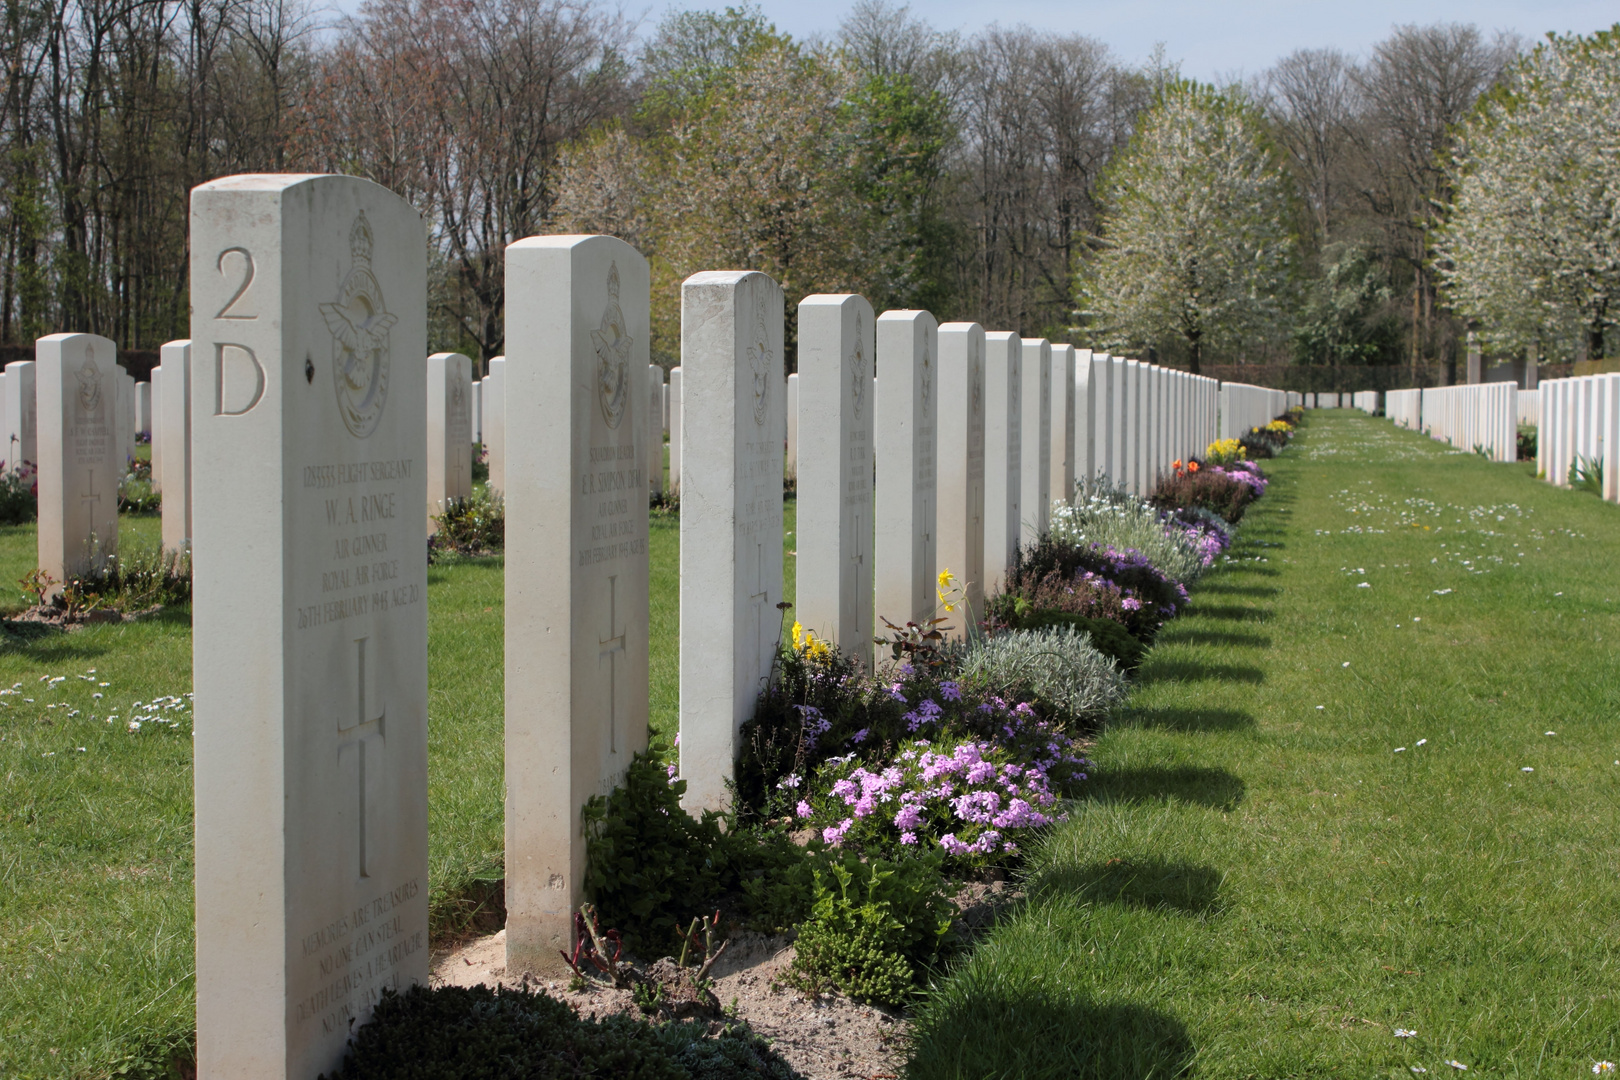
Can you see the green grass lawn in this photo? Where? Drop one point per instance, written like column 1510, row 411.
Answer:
column 1312, row 825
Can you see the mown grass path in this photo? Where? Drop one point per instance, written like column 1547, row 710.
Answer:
column 1313, row 824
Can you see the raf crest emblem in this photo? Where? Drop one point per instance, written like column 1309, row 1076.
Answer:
column 760, row 355
column 612, row 343
column 359, row 322
column 860, row 379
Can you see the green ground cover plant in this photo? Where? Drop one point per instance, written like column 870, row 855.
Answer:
column 1365, row 787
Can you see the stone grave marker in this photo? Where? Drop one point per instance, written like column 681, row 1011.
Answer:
column 1035, row 465
column 495, row 423
column 157, row 428
column 577, row 324
column 174, row 437
column 731, row 517
column 1085, row 417
column 478, row 412
column 655, row 430
column 791, row 465
column 675, row 419
column 22, row 414
column 309, row 325
column 1003, row 454
column 961, row 428
column 1062, row 468
column 834, row 583
column 449, row 433
column 80, row 456
column 905, row 422
column 143, row 409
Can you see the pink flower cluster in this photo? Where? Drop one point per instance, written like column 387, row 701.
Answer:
column 970, row 799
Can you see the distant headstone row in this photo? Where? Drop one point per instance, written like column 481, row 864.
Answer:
column 332, row 437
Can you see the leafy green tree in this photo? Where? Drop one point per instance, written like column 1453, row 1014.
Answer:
column 1531, row 247
column 1344, row 315
column 1195, row 235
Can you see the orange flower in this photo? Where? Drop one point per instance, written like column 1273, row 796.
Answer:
column 1193, row 467
column 1176, row 464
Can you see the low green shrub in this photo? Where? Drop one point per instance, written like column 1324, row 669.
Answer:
column 472, row 526
column 1114, row 518
column 478, row 1033
column 650, row 865
column 1213, row 489
column 874, row 927
column 140, row 577
column 1526, row 444
column 1107, row 636
column 1058, row 669
column 18, row 495
column 136, row 492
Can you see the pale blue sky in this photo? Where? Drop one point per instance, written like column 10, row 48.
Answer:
column 1209, row 38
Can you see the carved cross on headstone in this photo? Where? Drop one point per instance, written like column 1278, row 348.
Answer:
column 458, row 466
column 759, row 600
column 91, row 496
column 928, row 536
column 355, row 734
column 612, row 647
column 858, row 557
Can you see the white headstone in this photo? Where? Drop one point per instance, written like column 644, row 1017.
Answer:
column 960, row 513
column 143, row 409
column 80, row 459
column 22, row 415
column 1103, row 417
column 157, row 429
column 174, row 436
column 731, row 517
column 834, row 577
column 1133, row 434
column 675, row 421
column 577, row 577
column 655, row 429
column 1003, row 454
column 1085, row 417
column 309, row 325
column 903, row 433
column 449, row 433
column 1035, row 466
column 1062, row 469
column 791, row 465
column 478, row 412
column 495, row 423
column 126, row 419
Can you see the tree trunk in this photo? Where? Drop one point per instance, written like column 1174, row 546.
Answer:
column 1594, row 339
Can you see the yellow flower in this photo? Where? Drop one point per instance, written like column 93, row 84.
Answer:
column 946, row 578
column 798, row 636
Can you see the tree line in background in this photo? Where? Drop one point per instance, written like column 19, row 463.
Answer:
column 1332, row 210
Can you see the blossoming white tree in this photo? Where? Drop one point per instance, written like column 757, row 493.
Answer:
column 1196, row 237
column 1532, row 245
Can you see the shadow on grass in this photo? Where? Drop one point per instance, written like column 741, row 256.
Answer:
column 1177, row 634
column 1185, row 719
column 1019, row 1031
column 1144, row 883
column 1232, row 612
column 1220, row 588
column 1196, row 784
column 1160, row 668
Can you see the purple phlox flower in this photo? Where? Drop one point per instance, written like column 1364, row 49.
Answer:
column 847, row 790
column 909, row 817
column 677, row 738
column 950, row 691
column 790, row 781
column 908, row 838
column 1131, row 603
column 833, row 835
column 803, row 809
column 864, row 806
column 860, row 736
column 981, row 772
column 895, row 694
column 976, row 806
column 907, row 670
column 1024, row 708
column 671, row 770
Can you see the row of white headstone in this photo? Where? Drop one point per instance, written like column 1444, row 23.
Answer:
column 1482, row 417
column 70, row 418
column 310, row 401
column 1578, row 430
